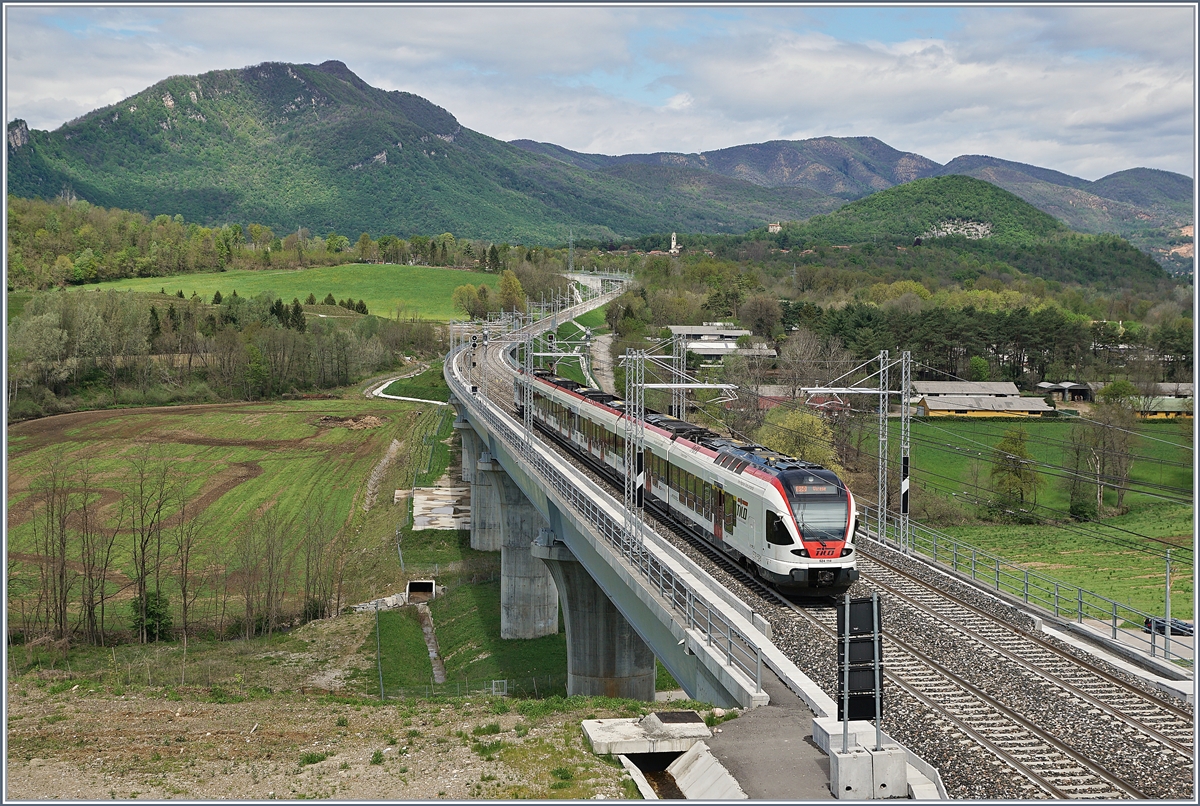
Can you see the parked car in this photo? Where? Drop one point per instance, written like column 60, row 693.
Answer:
column 1159, row 625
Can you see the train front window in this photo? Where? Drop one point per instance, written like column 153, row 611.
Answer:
column 820, row 504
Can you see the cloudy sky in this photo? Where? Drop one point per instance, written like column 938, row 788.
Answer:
column 1087, row 91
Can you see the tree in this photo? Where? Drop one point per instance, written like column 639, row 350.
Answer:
column 1015, row 480
column 312, row 299
column 150, row 617
column 364, row 248
column 760, row 313
column 329, row 300
column 466, row 299
column 512, row 296
column 147, row 493
column 216, row 298
column 977, row 369
column 801, row 434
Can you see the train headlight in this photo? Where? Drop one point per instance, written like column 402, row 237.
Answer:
column 800, row 552
column 847, row 551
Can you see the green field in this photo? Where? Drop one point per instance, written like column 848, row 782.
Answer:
column 235, row 462
column 419, row 290
column 1120, row 558
column 429, row 385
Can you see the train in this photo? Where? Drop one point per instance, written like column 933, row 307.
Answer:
column 790, row 522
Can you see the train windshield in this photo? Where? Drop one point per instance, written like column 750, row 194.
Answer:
column 820, row 504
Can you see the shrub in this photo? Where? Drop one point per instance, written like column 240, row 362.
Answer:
column 313, row 758
column 377, row 757
column 157, row 616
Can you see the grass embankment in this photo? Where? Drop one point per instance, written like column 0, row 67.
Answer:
column 423, row 291
column 429, row 385
column 1119, row 557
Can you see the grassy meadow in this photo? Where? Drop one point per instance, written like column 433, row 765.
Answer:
column 234, row 462
column 417, row 290
column 1121, row 557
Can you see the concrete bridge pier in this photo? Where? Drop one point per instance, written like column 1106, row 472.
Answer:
column 528, row 597
column 605, row 656
column 486, row 515
column 470, row 448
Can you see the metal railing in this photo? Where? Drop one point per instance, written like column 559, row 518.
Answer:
column 1062, row 599
column 741, row 650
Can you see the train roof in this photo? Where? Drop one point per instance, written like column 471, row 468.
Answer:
column 733, row 453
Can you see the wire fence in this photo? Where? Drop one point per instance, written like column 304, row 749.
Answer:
column 1063, row 600
column 520, row 687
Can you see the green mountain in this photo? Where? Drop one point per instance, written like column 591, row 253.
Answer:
column 1148, row 207
column 979, row 218
column 292, row 145
column 919, row 208
column 1144, row 205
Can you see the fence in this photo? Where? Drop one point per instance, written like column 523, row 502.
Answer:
column 1063, row 599
column 523, row 687
column 741, row 651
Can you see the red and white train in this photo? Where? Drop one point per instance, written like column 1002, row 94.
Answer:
column 792, row 522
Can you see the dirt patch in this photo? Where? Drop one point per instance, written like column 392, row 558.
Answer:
column 377, row 474
column 198, row 743
column 353, row 423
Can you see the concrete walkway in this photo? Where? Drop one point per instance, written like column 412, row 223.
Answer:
column 769, row 749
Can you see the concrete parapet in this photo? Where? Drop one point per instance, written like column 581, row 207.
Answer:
column 605, row 655
column 528, row 596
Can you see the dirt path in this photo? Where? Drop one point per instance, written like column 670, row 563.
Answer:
column 602, row 363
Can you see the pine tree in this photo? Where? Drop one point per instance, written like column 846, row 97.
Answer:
column 216, row 298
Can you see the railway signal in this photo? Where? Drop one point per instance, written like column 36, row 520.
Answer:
column 860, row 665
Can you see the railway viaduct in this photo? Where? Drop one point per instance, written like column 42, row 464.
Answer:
column 626, row 595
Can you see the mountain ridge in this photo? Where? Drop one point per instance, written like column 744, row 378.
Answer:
column 314, row 145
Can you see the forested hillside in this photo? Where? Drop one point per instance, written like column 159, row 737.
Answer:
column 313, row 146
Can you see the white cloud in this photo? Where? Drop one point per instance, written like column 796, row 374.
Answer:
column 1084, row 90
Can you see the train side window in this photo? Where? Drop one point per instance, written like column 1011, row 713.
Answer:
column 707, row 501
column 730, row 510
column 777, row 533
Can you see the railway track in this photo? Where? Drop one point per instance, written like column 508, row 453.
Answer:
column 1051, row 762
column 1105, row 694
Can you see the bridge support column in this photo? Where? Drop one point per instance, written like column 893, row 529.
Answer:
column 528, row 597
column 486, row 515
column 470, row 449
column 605, row 656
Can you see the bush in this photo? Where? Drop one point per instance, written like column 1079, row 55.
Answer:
column 157, row 617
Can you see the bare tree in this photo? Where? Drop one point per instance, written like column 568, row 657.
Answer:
column 276, row 565
column 248, row 570
column 147, row 493
column 51, row 535
column 319, row 560
column 185, row 539
column 96, row 542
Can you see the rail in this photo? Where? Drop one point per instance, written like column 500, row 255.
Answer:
column 740, row 649
column 1062, row 599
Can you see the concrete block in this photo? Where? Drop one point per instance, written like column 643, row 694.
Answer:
column 850, row 775
column 889, row 771
column 700, row 776
column 646, row 735
column 827, row 733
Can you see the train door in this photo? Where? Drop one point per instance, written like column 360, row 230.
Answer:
column 718, row 512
